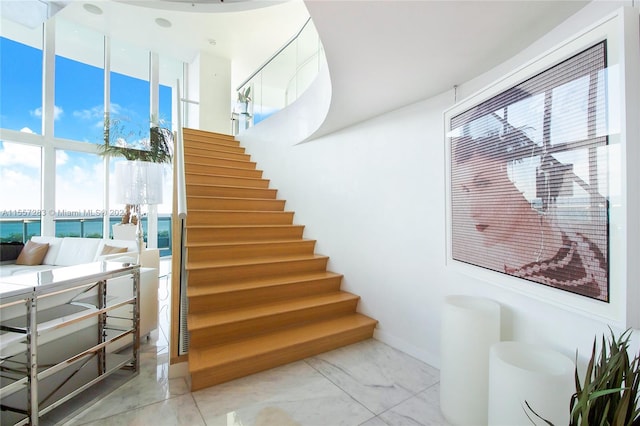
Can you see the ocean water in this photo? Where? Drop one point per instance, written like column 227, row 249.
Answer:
column 21, row 230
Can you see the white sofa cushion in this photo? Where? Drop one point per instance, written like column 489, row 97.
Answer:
column 54, row 248
column 74, row 251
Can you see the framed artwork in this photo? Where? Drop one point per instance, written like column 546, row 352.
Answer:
column 536, row 193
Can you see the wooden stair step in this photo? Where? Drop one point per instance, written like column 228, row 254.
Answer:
column 222, row 170
column 190, row 133
column 232, row 203
column 211, row 179
column 208, row 156
column 239, row 217
column 243, row 233
column 262, row 290
column 221, row 162
column 234, row 324
column 195, row 147
column 212, row 272
column 230, row 191
column 218, row 364
column 201, row 252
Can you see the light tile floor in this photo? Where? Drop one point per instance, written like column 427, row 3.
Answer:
column 367, row 383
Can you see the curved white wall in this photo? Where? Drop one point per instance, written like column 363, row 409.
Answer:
column 374, row 195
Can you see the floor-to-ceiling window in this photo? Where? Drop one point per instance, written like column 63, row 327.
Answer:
column 51, row 169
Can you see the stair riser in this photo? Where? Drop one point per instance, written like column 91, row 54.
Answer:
column 223, row 171
column 200, row 179
column 231, row 191
column 249, row 297
column 247, row 251
column 206, row 157
column 239, row 218
column 221, row 334
column 213, row 203
column 237, row 273
column 244, row 367
column 222, row 162
column 231, row 234
column 197, row 147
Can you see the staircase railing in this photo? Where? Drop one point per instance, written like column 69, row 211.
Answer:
column 280, row 80
column 180, row 335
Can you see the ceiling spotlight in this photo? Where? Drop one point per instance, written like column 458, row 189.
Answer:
column 164, row 23
column 92, row 8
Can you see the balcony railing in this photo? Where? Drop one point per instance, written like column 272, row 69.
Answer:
column 89, row 227
column 280, row 80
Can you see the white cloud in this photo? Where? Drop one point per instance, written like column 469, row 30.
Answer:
column 96, row 112
column 57, row 112
column 27, row 130
column 20, row 190
column 16, row 156
column 61, row 158
column 80, row 185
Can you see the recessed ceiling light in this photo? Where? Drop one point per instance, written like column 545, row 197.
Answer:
column 163, row 22
column 92, row 8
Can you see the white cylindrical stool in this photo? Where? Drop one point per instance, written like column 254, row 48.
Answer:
column 470, row 325
column 520, row 372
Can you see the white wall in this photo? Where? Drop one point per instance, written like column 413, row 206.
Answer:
column 210, row 84
column 373, row 195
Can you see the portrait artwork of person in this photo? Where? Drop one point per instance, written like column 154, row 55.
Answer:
column 498, row 228
column 526, row 199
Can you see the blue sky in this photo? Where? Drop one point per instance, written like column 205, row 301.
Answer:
column 78, row 116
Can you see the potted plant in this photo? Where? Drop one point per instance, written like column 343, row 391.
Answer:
column 157, row 148
column 118, row 141
column 610, row 391
column 244, row 97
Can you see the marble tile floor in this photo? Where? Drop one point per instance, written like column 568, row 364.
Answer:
column 367, row 383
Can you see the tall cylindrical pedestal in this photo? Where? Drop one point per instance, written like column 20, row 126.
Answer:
column 522, row 372
column 470, row 325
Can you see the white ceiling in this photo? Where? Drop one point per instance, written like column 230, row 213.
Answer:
column 382, row 54
column 245, row 32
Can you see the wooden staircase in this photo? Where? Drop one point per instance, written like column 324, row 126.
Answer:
column 258, row 295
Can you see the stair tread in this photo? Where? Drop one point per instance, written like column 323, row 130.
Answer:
column 211, row 154
column 270, row 212
column 261, row 226
column 208, row 319
column 228, row 186
column 214, row 145
column 221, row 167
column 214, row 176
column 217, row 197
column 250, row 243
column 211, row 356
column 200, row 132
column 258, row 283
column 252, row 261
column 188, row 162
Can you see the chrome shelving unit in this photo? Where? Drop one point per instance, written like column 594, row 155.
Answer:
column 55, row 335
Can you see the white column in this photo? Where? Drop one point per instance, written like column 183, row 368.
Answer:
column 48, row 177
column 154, row 83
column 470, row 325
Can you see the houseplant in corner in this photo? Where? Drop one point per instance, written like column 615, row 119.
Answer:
column 610, row 391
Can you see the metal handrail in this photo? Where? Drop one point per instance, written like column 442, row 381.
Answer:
column 181, row 201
